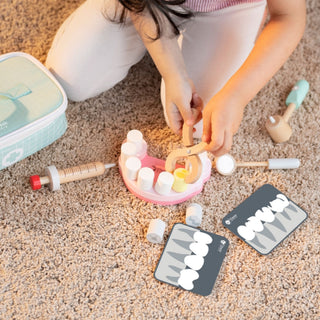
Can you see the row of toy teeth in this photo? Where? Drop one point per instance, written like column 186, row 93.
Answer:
column 255, row 223
column 132, row 166
column 132, row 151
column 194, row 262
column 145, row 177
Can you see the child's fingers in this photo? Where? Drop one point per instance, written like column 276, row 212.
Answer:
column 196, row 107
column 187, row 115
column 219, row 149
column 174, row 118
column 219, row 138
column 206, row 131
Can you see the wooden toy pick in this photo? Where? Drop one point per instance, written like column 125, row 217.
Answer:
column 190, row 154
column 226, row 164
column 278, row 126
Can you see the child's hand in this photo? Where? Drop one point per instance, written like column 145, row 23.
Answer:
column 221, row 119
column 183, row 104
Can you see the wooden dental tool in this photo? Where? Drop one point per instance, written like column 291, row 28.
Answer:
column 278, row 126
column 226, row 164
column 190, row 154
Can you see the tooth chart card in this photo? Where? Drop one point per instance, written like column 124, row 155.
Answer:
column 191, row 259
column 265, row 219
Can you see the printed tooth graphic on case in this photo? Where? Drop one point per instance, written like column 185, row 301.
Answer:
column 191, row 259
column 265, row 219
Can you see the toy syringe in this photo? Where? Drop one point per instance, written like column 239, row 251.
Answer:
column 56, row 177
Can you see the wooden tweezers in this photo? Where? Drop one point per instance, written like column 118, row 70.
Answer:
column 190, row 154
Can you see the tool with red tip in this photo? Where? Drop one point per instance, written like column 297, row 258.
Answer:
column 56, row 177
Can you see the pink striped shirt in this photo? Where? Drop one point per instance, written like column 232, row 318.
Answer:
column 213, row 5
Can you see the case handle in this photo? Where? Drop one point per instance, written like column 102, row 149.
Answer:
column 16, row 92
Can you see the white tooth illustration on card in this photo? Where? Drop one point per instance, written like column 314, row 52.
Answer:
column 202, row 237
column 199, row 249
column 279, row 203
column 246, row 233
column 255, row 224
column 265, row 214
column 187, row 277
column 194, row 262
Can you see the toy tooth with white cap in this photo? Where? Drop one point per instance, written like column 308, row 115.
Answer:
column 226, row 164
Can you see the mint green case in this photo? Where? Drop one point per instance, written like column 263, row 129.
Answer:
column 32, row 107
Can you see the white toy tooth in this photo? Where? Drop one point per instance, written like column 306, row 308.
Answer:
column 156, row 230
column 194, row 215
column 132, row 167
column 145, row 179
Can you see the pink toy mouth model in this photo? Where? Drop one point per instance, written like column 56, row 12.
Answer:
column 158, row 165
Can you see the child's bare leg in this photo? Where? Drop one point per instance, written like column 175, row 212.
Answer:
column 90, row 54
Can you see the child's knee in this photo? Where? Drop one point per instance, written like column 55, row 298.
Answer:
column 70, row 84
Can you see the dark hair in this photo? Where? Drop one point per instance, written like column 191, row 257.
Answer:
column 158, row 10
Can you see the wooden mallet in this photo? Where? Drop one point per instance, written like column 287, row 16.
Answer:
column 278, row 126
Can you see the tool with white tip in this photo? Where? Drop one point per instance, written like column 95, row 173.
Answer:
column 226, row 164
column 55, row 177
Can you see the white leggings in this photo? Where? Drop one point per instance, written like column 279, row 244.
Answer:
column 90, row 54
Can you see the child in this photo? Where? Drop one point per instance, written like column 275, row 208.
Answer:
column 211, row 70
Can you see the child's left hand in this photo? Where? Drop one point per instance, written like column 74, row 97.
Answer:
column 221, row 119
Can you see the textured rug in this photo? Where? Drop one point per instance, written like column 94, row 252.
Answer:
column 82, row 253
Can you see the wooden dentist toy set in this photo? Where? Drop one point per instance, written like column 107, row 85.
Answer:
column 191, row 258
column 183, row 174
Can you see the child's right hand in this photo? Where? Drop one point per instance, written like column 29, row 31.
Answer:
column 182, row 104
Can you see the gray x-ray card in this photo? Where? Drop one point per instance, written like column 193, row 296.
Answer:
column 191, row 259
column 265, row 219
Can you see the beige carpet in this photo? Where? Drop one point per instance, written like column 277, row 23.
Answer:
column 81, row 252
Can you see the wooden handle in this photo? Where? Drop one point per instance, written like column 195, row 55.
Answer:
column 289, row 111
column 252, row 164
column 177, row 154
column 187, row 135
